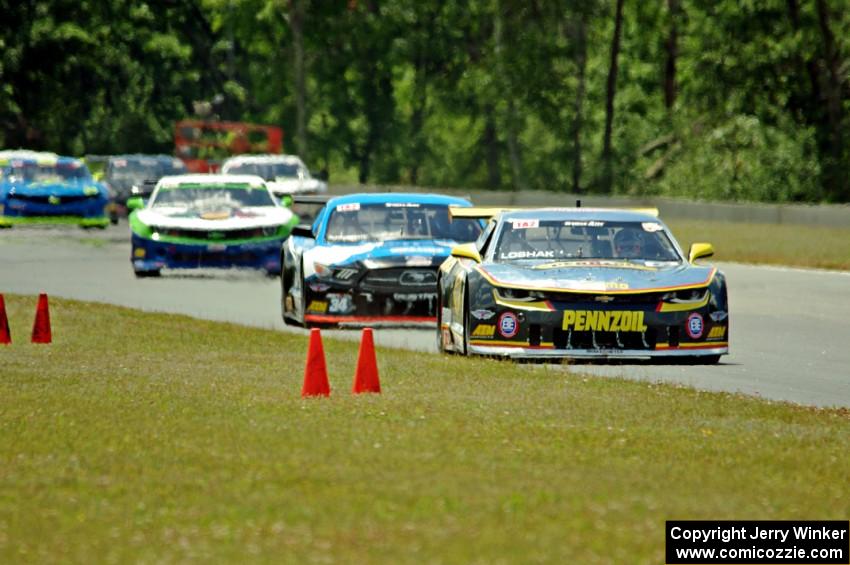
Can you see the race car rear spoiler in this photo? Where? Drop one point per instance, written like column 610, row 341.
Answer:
column 487, row 212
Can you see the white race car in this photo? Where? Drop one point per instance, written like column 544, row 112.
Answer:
column 284, row 174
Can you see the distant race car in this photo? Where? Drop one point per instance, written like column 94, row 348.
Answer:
column 196, row 221
column 284, row 174
column 127, row 176
column 371, row 259
column 580, row 283
column 44, row 188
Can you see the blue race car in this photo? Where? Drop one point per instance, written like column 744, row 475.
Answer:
column 371, row 259
column 48, row 189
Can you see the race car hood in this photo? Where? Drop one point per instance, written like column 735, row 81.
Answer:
column 234, row 219
column 295, row 186
column 59, row 188
column 599, row 276
column 380, row 255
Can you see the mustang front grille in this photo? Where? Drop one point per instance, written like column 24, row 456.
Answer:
column 223, row 235
column 400, row 277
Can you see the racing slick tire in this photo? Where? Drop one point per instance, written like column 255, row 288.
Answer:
column 283, row 289
column 465, row 310
column 703, row 360
column 440, row 346
column 146, row 274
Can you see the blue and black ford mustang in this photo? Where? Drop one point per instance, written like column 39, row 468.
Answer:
column 371, row 259
column 48, row 189
column 580, row 283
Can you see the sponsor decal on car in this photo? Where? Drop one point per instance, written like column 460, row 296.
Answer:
column 524, row 224
column 414, row 296
column 651, row 226
column 350, row 207
column 319, row 287
column 446, row 315
column 604, row 320
column 417, row 261
column 717, row 332
column 718, row 316
column 584, row 224
column 402, row 205
column 695, row 325
column 508, row 324
column 484, row 330
column 543, row 254
column 482, row 314
column 318, row 306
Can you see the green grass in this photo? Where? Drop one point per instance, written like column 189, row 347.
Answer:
column 801, row 246
column 155, row 438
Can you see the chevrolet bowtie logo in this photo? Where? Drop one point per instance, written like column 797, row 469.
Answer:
column 54, row 199
column 605, row 299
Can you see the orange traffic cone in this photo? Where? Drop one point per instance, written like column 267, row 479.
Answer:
column 5, row 334
column 315, row 371
column 41, row 327
column 366, row 375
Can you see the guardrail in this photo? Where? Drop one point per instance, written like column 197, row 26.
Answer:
column 827, row 215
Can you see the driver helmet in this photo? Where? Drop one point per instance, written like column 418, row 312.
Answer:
column 629, row 243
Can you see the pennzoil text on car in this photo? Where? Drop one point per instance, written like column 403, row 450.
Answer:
column 195, row 221
column 371, row 258
column 583, row 283
column 45, row 188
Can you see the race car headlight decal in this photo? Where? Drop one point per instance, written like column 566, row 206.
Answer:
column 682, row 300
column 518, row 294
column 689, row 296
column 344, row 274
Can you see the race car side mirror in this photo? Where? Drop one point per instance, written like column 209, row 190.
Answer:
column 135, row 203
column 303, row 231
column 466, row 251
column 700, row 250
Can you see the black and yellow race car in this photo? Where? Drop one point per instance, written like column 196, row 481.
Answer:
column 580, row 283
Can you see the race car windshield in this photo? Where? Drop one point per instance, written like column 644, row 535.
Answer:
column 32, row 172
column 547, row 240
column 268, row 171
column 211, row 198
column 357, row 222
column 138, row 171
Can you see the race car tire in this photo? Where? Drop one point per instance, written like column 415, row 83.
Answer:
column 704, row 360
column 465, row 310
column 284, row 288
column 146, row 274
column 440, row 347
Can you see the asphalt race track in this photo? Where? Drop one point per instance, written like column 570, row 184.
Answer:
column 790, row 328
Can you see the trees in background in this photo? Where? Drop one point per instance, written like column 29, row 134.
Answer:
column 702, row 98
